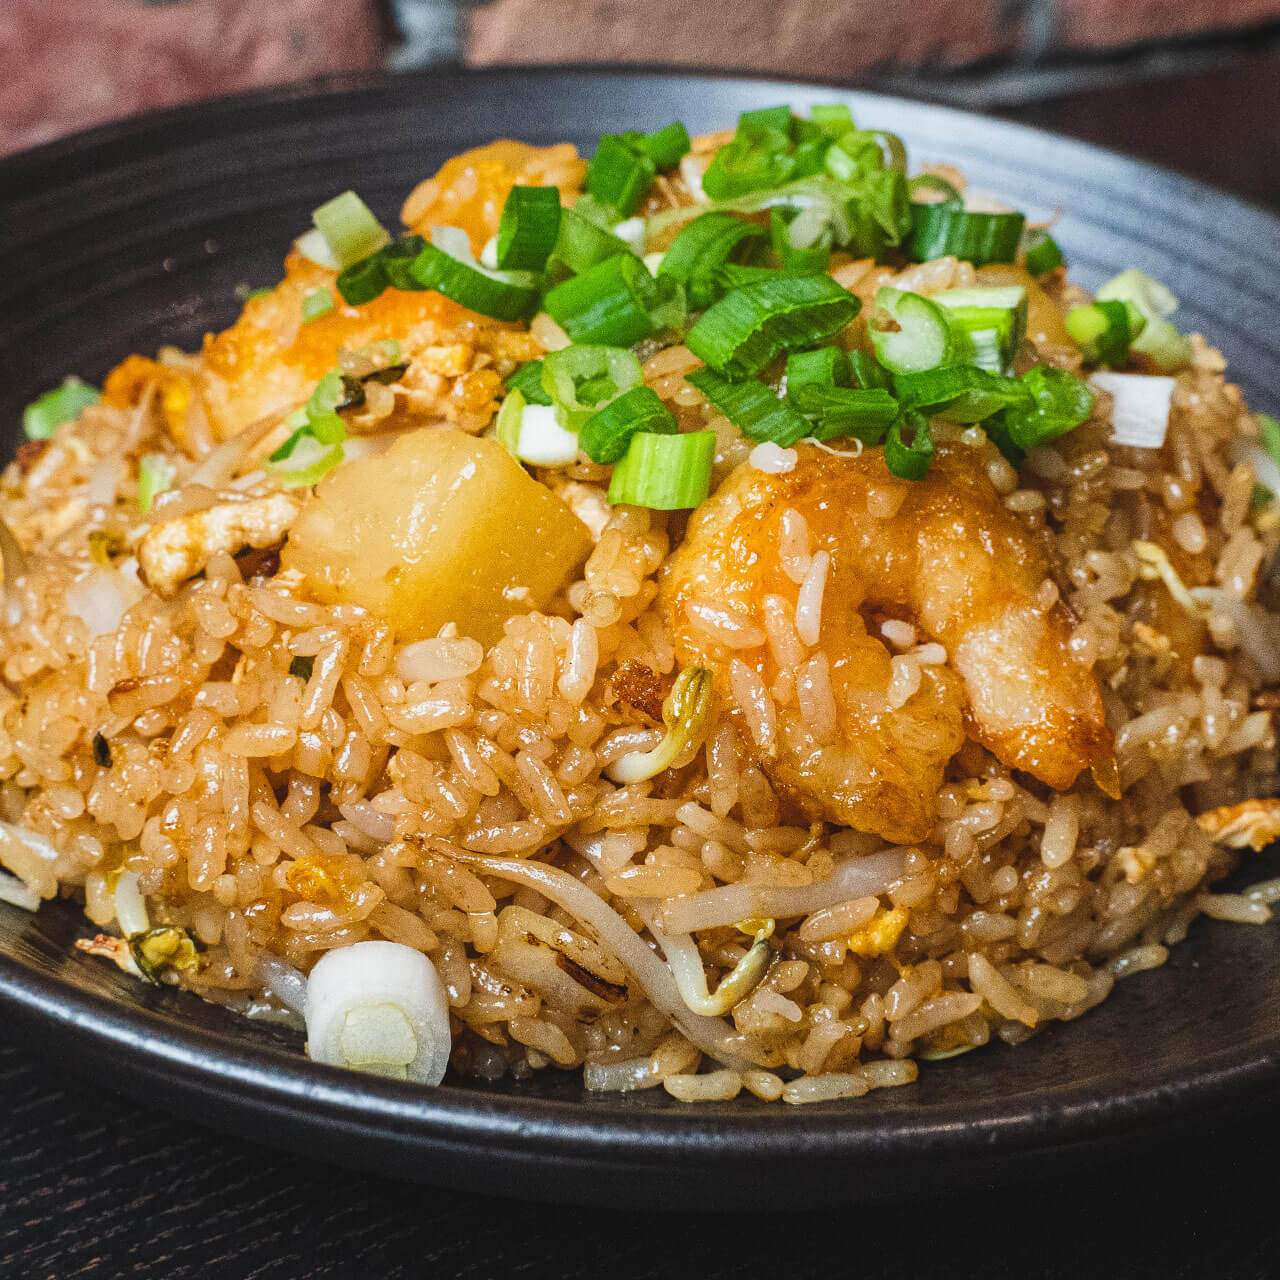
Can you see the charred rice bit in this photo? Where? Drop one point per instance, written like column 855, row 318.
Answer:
column 284, row 777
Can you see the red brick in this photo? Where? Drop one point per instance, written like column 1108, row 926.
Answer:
column 1100, row 24
column 837, row 39
column 66, row 64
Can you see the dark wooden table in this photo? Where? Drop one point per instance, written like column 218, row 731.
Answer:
column 92, row 1185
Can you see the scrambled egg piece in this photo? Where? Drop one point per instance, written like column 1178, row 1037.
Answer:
column 173, row 551
column 880, row 934
column 1253, row 824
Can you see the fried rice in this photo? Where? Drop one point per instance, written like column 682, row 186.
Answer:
column 239, row 764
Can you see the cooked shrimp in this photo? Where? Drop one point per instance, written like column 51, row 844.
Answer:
column 942, row 555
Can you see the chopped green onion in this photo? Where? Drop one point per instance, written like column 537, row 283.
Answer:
column 939, row 230
column 1162, row 344
column 528, row 229
column 502, row 295
column 303, row 460
column 833, row 118
column 762, row 119
column 847, row 411
column 988, row 325
column 666, row 147
column 755, row 410
column 605, row 435
column 1104, row 330
column 527, row 380
column 619, row 175
column 349, row 228
column 909, row 461
column 506, row 429
column 317, row 303
column 608, row 303
column 1059, row 403
column 865, row 372
column 823, row 367
column 311, row 244
column 397, row 259
column 701, row 249
column 47, row 412
column 909, row 332
column 582, row 244
column 666, row 473
column 156, row 474
column 584, row 377
column 960, row 393
column 1269, row 434
column 802, row 243
column 364, row 280
column 935, row 182
column 1140, row 407
column 543, row 439
column 737, row 169
column 1040, row 252
column 668, row 308
column 742, row 332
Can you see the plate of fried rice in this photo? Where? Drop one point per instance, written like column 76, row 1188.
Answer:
column 692, row 627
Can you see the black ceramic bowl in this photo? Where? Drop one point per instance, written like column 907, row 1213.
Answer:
column 137, row 234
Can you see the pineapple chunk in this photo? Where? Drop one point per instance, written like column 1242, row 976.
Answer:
column 443, row 527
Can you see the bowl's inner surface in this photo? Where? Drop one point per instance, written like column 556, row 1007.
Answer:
column 140, row 238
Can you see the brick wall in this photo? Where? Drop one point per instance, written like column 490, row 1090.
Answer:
column 67, row 64
column 835, row 38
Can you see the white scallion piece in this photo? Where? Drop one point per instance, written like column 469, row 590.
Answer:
column 312, row 244
column 17, row 892
column 631, row 233
column 489, row 254
column 1140, row 407
column 131, row 909
column 379, row 1007
column 653, row 261
column 542, row 440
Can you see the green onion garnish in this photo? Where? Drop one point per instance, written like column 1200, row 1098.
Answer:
column 585, row 377
column 452, row 272
column 960, row 393
column 1104, row 331
column 833, row 118
column 666, row 473
column 606, row 434
column 47, row 412
column 609, row 303
column 1040, row 252
column 1059, row 403
column 582, row 244
column 397, row 259
column 1159, row 340
column 988, row 325
column 939, row 230
column 802, row 242
column 317, row 303
column 909, row 461
column 619, row 175
column 363, row 281
column 527, row 380
column 823, row 367
column 935, row 182
column 847, row 411
column 742, row 332
column 349, row 228
column 865, row 372
column 701, row 249
column 302, row 460
column 909, row 332
column 666, row 147
column 322, row 408
column 506, row 428
column 156, row 473
column 755, row 410
column 528, row 229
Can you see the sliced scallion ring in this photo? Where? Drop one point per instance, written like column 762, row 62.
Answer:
column 302, row 460
column 988, row 325
column 608, row 303
column 701, row 249
column 605, row 435
column 47, row 412
column 527, row 380
column 619, row 175
column 349, row 228
column 503, row 295
column 1105, row 330
column 742, row 332
column 528, row 229
column 909, row 461
column 755, row 410
column 854, row 412
column 315, row 304
column 583, row 378
column 939, row 230
column 665, row 472
column 1040, row 251
column 960, row 393
column 909, row 332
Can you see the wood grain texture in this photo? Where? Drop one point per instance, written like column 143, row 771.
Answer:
column 92, row 1186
